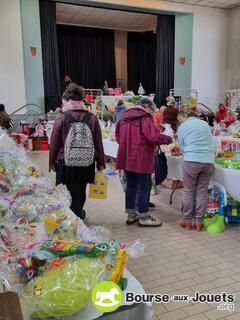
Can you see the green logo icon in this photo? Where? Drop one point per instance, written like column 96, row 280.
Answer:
column 107, row 296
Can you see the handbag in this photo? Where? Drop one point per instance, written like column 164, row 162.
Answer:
column 161, row 168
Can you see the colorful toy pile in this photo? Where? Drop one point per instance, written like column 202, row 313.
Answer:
column 234, row 129
column 227, row 163
column 221, row 210
column 228, row 154
column 47, row 255
column 214, row 220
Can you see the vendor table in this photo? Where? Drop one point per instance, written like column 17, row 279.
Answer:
column 110, row 100
column 126, row 311
column 113, row 100
column 229, row 178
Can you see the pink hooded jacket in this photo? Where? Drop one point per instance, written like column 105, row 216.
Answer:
column 137, row 137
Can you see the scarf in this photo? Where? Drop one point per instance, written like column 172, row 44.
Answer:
column 73, row 105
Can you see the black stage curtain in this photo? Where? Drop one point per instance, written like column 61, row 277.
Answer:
column 141, row 55
column 50, row 54
column 165, row 57
column 87, row 55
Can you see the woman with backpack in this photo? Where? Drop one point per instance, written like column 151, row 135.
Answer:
column 76, row 146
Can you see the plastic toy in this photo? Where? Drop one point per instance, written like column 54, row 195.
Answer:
column 228, row 147
column 64, row 248
column 63, row 291
column 23, row 191
column 5, row 184
column 228, row 163
column 4, row 207
column 60, row 224
column 6, row 236
column 232, row 211
column 122, row 258
column 216, row 225
column 212, row 208
column 33, row 172
column 55, row 264
column 29, row 267
column 175, row 151
column 209, row 220
column 24, row 208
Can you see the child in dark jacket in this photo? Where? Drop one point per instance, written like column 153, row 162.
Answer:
column 5, row 120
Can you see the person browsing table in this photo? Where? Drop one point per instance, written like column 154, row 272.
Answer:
column 195, row 139
column 137, row 137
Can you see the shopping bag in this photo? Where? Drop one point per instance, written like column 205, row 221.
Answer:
column 98, row 189
column 161, row 168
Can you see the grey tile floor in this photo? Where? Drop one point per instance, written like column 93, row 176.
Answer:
column 175, row 261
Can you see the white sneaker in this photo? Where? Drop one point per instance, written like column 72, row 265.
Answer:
column 150, row 222
column 132, row 218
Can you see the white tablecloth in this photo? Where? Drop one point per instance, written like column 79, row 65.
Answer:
column 111, row 100
column 228, row 178
column 110, row 148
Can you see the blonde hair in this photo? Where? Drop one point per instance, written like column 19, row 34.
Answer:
column 189, row 111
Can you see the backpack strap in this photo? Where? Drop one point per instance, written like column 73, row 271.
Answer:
column 71, row 117
column 86, row 117
column 68, row 115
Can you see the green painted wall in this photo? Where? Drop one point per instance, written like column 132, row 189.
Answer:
column 183, row 48
column 32, row 64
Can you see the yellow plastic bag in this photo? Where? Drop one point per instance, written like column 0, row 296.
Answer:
column 98, row 189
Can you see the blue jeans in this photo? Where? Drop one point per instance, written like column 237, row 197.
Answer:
column 140, row 183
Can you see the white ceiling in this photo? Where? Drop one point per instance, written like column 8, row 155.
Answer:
column 124, row 20
column 225, row 4
column 105, row 18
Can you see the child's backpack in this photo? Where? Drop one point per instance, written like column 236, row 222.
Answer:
column 79, row 147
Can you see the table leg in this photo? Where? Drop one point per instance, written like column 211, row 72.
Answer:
column 172, row 193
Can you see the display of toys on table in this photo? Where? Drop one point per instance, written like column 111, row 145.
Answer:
column 132, row 98
column 21, row 139
column 61, row 224
column 227, row 163
column 227, row 154
column 234, row 129
column 5, row 184
column 228, row 148
column 48, row 255
column 64, row 290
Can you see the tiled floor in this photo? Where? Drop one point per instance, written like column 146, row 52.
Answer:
column 175, row 261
